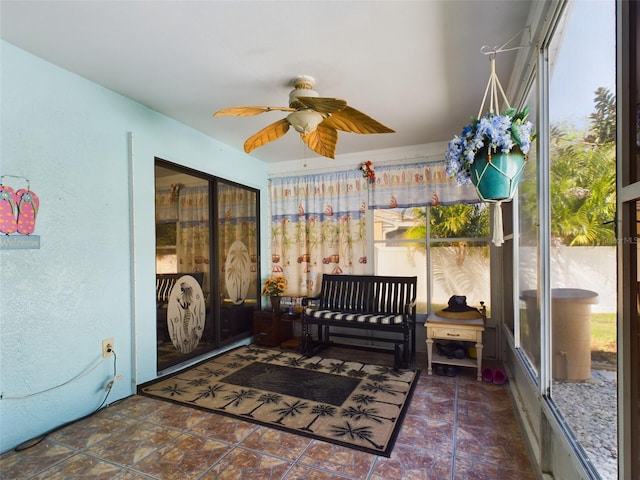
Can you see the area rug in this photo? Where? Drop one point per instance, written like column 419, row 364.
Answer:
column 348, row 403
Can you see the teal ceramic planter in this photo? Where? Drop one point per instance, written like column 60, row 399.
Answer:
column 497, row 178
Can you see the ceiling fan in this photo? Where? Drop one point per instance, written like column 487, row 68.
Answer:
column 316, row 118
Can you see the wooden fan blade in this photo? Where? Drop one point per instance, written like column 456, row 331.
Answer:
column 268, row 134
column 322, row 140
column 323, row 104
column 354, row 121
column 250, row 111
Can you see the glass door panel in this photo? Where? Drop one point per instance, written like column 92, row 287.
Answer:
column 528, row 257
column 207, row 274
column 185, row 326
column 237, row 245
column 583, row 248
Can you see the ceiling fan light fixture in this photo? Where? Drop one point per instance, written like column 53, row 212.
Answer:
column 305, row 121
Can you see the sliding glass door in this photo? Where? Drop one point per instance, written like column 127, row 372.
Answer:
column 207, row 275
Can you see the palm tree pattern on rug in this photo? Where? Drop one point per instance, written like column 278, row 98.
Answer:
column 344, row 402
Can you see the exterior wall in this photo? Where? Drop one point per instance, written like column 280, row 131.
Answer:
column 93, row 277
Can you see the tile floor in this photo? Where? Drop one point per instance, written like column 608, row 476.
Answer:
column 456, row 428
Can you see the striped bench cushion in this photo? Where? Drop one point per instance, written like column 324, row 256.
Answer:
column 164, row 285
column 371, row 318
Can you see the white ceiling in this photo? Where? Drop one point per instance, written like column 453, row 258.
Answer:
column 415, row 66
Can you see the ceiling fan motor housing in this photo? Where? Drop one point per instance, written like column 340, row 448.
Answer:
column 302, row 87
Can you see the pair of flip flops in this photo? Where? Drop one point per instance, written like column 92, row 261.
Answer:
column 495, row 375
column 18, row 210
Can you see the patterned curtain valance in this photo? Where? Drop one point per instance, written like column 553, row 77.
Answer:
column 323, row 195
column 417, row 185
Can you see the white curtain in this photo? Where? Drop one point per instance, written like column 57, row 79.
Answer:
column 166, row 206
column 319, row 221
column 237, row 240
column 318, row 226
column 193, row 231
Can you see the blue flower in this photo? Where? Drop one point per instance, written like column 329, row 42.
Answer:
column 498, row 132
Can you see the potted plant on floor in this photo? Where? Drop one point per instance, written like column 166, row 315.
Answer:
column 274, row 288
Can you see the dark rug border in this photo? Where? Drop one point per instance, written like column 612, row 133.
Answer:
column 385, row 453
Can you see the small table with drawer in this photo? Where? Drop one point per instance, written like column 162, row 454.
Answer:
column 440, row 328
column 269, row 329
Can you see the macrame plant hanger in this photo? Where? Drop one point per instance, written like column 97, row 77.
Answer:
column 493, row 88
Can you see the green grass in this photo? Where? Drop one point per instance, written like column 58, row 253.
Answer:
column 603, row 338
column 603, row 332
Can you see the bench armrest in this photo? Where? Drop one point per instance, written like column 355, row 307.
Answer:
column 306, row 301
column 409, row 308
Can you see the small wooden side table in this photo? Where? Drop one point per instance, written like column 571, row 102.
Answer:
column 268, row 328
column 294, row 342
column 457, row 330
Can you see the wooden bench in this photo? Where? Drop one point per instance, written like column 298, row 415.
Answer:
column 363, row 302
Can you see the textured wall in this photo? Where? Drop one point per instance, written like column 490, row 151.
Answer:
column 93, row 276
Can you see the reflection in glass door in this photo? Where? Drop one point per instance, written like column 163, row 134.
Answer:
column 206, row 263
column 238, row 265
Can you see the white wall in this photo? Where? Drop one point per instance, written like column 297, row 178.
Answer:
column 93, row 276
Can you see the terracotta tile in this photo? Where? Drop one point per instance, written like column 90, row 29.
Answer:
column 130, row 475
column 337, row 459
column 28, row 462
column 138, row 406
column 140, row 436
column 466, row 469
column 492, row 445
column 223, row 428
column 178, row 417
column 304, row 472
column 437, row 385
column 276, row 442
column 408, row 463
column 433, row 406
column 186, row 457
column 243, row 463
column 483, row 392
column 92, row 430
column 485, row 414
column 134, row 443
column 422, row 432
column 81, row 466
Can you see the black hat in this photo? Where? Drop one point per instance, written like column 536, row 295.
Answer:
column 458, row 303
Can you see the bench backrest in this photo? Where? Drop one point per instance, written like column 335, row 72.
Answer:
column 166, row 281
column 368, row 293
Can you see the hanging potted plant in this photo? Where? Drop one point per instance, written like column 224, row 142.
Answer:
column 491, row 153
column 492, row 150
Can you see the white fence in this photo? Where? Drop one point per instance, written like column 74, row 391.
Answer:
column 588, row 268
